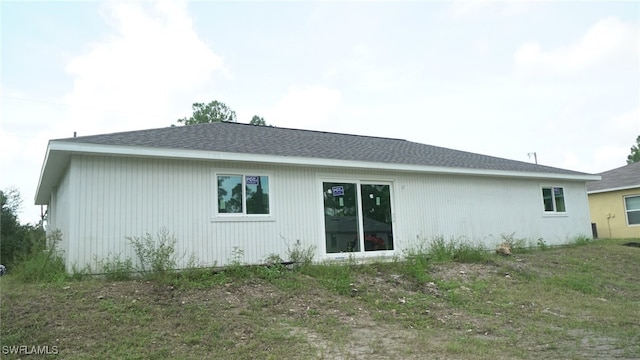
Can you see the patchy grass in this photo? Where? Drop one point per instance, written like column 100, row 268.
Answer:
column 574, row 302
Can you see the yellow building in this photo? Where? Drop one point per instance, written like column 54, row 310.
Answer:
column 614, row 202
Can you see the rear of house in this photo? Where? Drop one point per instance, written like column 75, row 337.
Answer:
column 220, row 188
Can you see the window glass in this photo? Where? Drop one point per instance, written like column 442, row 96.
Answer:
column 558, row 194
column 230, row 194
column 632, row 205
column 548, row 199
column 553, row 199
column 257, row 192
column 341, row 217
column 376, row 214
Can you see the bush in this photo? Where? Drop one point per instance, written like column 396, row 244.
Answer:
column 155, row 256
column 299, row 255
column 43, row 264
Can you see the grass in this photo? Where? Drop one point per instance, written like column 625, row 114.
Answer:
column 573, row 302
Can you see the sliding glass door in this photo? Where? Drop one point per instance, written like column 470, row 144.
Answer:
column 357, row 217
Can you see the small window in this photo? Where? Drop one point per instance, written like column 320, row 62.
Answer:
column 243, row 194
column 632, row 207
column 553, row 199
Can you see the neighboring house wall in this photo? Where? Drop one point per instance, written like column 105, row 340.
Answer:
column 102, row 200
column 609, row 215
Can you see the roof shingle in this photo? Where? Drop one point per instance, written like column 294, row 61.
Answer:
column 627, row 176
column 251, row 139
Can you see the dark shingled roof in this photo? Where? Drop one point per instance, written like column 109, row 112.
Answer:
column 251, row 139
column 623, row 177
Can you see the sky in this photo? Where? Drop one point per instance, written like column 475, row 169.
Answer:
column 506, row 79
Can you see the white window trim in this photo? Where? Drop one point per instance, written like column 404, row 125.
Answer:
column 364, row 180
column 626, row 212
column 554, row 213
column 237, row 217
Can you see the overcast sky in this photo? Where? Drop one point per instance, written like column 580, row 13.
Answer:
column 560, row 79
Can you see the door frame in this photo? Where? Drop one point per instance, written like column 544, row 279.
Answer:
column 358, row 181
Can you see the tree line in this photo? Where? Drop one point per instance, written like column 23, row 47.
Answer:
column 17, row 241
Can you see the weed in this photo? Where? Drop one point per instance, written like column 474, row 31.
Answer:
column 458, row 251
column 416, row 264
column 542, row 245
column 44, row 263
column 300, row 255
column 115, row 268
column 80, row 273
column 582, row 240
column 156, row 256
column 236, row 266
column 517, row 245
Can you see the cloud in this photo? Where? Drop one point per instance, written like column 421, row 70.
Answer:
column 304, row 107
column 132, row 78
column 610, row 41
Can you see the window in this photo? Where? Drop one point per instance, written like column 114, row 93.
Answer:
column 632, row 207
column 243, row 194
column 357, row 217
column 553, row 199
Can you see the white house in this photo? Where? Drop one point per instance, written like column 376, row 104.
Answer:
column 221, row 186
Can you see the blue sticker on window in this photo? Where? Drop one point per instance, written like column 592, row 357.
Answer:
column 252, row 180
column 337, row 190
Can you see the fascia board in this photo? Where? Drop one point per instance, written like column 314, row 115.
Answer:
column 172, row 153
column 614, row 189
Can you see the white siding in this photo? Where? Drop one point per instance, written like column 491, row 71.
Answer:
column 107, row 199
column 58, row 212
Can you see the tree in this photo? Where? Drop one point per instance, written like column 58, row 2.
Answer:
column 635, row 152
column 16, row 241
column 258, row 120
column 214, row 111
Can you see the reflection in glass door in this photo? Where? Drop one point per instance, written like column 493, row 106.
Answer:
column 341, row 217
column 357, row 218
column 376, row 217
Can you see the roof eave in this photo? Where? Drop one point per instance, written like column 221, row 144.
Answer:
column 61, row 147
column 614, row 189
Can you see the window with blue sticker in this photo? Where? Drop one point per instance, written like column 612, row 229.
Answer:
column 243, row 194
column 553, row 199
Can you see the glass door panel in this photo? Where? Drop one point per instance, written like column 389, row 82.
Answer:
column 341, row 217
column 376, row 217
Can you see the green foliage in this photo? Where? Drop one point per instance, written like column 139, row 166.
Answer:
column 43, row 263
column 334, row 277
column 517, row 245
column 258, row 120
column 416, row 263
column 300, row 255
column 635, row 152
column 16, row 241
column 236, row 266
column 582, row 240
column 115, row 268
column 78, row 273
column 542, row 245
column 458, row 251
column 156, row 256
column 214, row 111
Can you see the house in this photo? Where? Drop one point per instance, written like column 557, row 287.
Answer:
column 225, row 186
column 614, row 202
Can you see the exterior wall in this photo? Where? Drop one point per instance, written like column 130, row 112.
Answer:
column 608, row 213
column 58, row 211
column 111, row 198
column 487, row 210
